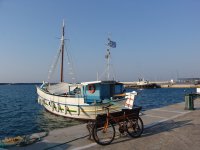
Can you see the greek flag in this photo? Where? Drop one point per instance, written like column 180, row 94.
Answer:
column 111, row 43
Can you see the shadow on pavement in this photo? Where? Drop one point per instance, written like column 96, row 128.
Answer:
column 156, row 129
column 165, row 126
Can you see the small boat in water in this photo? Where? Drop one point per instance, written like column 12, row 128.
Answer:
column 84, row 100
column 143, row 84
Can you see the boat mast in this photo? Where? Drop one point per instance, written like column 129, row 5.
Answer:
column 111, row 44
column 108, row 60
column 108, row 63
column 62, row 52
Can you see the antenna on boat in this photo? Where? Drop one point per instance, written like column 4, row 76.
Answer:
column 97, row 76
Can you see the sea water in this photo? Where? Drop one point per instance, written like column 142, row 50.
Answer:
column 159, row 97
column 20, row 114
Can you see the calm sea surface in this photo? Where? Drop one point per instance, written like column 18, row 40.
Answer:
column 20, row 114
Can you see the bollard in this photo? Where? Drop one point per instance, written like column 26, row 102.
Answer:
column 189, row 102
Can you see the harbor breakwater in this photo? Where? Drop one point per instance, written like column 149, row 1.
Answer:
column 162, row 85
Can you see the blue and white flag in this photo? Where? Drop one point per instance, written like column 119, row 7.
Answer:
column 111, row 43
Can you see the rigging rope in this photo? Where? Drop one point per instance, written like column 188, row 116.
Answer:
column 53, row 66
column 69, row 63
column 70, row 66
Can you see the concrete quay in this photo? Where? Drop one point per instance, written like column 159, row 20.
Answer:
column 169, row 127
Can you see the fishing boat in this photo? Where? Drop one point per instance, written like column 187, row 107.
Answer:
column 145, row 84
column 84, row 100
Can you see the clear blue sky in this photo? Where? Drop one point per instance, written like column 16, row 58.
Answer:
column 156, row 39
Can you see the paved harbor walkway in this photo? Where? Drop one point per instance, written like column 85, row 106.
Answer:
column 169, row 127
